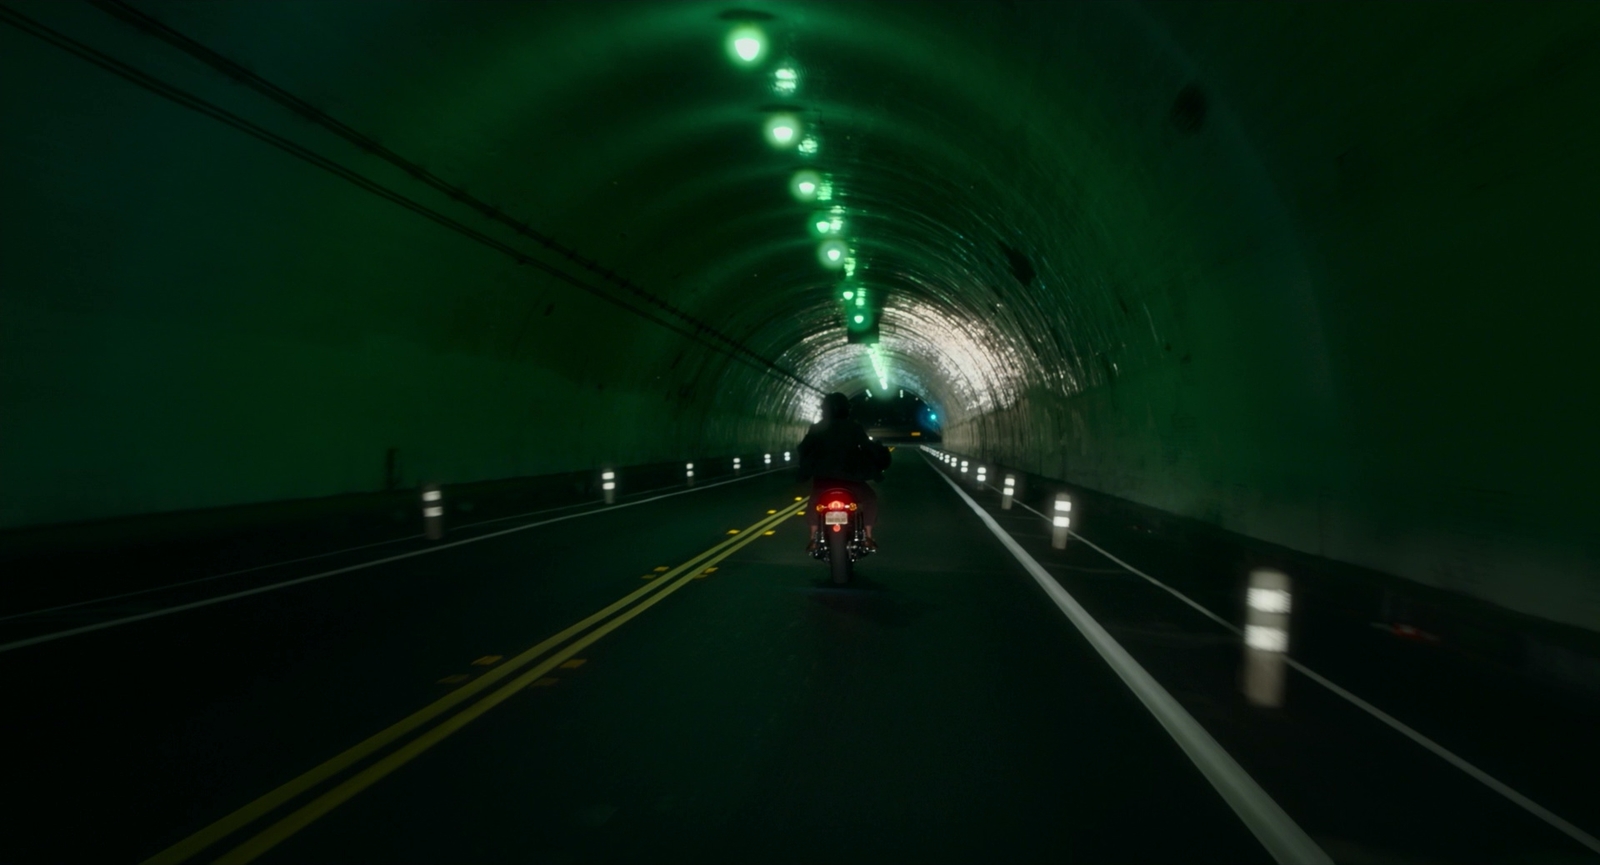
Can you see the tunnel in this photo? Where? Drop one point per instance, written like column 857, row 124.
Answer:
column 1171, row 312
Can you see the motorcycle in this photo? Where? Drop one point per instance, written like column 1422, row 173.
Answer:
column 841, row 538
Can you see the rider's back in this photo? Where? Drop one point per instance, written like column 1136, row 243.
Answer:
column 838, row 448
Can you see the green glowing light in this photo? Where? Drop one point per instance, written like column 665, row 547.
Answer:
column 861, row 301
column 746, row 44
column 832, row 252
column 823, row 224
column 860, row 319
column 849, row 294
column 782, row 130
column 804, row 185
column 808, row 146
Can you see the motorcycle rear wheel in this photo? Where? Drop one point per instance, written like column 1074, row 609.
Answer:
column 839, row 556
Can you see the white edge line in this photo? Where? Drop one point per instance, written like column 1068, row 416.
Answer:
column 1556, row 821
column 205, row 579
column 167, row 611
column 1271, row 825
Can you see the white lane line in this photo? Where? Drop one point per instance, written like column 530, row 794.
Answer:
column 1152, row 580
column 167, row 611
column 206, row 579
column 1283, row 839
column 1445, row 754
column 1556, row 821
column 315, row 556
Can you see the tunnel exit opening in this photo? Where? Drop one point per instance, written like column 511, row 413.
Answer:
column 897, row 415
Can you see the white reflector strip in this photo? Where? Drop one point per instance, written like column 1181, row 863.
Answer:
column 1269, row 600
column 1265, row 638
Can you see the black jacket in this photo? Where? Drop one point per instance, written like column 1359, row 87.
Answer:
column 839, row 449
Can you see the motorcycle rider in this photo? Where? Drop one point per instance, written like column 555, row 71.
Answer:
column 836, row 453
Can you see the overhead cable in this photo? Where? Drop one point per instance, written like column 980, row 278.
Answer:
column 691, row 327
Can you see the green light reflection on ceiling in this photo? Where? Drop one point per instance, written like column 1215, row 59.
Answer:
column 785, row 81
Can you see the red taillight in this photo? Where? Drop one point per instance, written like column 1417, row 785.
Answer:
column 837, row 527
column 840, row 504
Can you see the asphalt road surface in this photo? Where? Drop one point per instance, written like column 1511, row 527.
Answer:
column 675, row 680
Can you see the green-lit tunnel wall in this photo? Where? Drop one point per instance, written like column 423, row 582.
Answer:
column 1322, row 274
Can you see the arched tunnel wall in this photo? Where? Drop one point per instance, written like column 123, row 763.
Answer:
column 1377, row 353
column 1320, row 274
column 194, row 319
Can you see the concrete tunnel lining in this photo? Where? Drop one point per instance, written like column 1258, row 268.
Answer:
column 1340, row 306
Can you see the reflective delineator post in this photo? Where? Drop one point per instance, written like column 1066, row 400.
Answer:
column 1009, row 493
column 688, row 473
column 1266, row 637
column 608, row 483
column 983, row 475
column 432, row 511
column 963, row 466
column 1060, row 521
column 736, row 464
column 766, row 459
column 785, row 456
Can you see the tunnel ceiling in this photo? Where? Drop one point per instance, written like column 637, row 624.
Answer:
column 1312, row 272
column 976, row 165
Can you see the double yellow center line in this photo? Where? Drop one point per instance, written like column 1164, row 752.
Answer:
column 303, row 816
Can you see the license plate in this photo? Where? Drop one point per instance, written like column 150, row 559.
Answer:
column 836, row 518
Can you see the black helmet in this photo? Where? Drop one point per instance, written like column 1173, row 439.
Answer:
column 835, row 405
